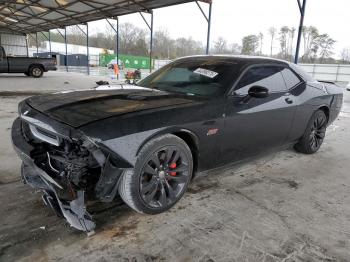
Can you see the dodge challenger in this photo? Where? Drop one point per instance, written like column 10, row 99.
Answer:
column 145, row 142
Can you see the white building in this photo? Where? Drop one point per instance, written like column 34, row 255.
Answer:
column 71, row 49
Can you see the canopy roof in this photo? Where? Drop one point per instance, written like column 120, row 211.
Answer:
column 30, row 16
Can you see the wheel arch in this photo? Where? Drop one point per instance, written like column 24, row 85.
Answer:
column 36, row 64
column 189, row 137
column 192, row 141
column 325, row 109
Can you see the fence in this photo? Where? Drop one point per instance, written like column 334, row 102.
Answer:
column 328, row 72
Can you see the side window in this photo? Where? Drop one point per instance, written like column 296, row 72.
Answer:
column 266, row 76
column 291, row 79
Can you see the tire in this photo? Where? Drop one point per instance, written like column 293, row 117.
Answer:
column 154, row 188
column 314, row 134
column 36, row 71
column 26, row 73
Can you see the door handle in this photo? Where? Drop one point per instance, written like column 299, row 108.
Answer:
column 289, row 100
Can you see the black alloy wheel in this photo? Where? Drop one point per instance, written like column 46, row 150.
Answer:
column 164, row 177
column 314, row 135
column 318, row 132
column 160, row 177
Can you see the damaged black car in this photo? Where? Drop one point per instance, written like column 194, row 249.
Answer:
column 145, row 142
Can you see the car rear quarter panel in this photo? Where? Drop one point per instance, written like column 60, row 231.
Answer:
column 308, row 100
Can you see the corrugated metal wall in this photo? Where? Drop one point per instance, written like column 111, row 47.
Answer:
column 15, row 45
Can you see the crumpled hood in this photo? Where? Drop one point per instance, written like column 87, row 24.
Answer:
column 77, row 108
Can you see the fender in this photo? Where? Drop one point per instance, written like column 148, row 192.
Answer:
column 170, row 130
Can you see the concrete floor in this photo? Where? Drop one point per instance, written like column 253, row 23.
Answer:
column 51, row 81
column 282, row 207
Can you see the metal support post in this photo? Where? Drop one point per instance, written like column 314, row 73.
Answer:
column 116, row 30
column 50, row 42
column 301, row 24
column 150, row 27
column 87, row 45
column 37, row 47
column 87, row 48
column 27, row 48
column 208, row 19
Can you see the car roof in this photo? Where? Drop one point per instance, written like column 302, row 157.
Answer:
column 242, row 60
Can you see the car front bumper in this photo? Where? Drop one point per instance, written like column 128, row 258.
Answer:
column 73, row 211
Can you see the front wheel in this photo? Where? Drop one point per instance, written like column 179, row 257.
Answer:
column 161, row 175
column 315, row 132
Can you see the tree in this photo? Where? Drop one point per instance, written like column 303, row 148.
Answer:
column 310, row 35
column 220, row 46
column 261, row 38
column 249, row 44
column 325, row 42
column 235, row 49
column 272, row 33
column 345, row 55
column 75, row 36
column 163, row 45
column 292, row 35
column 187, row 46
column 284, row 33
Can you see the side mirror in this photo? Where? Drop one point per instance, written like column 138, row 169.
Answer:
column 258, row 92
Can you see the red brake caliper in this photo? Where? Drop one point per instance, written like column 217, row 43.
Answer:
column 172, row 166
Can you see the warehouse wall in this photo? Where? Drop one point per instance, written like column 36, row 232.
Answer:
column 15, row 45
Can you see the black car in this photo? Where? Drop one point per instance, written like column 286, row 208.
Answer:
column 146, row 142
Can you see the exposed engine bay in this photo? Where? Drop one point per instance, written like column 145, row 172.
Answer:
column 69, row 172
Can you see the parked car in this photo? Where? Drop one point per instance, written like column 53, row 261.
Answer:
column 146, row 142
column 30, row 66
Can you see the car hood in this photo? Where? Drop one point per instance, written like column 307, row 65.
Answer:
column 77, row 108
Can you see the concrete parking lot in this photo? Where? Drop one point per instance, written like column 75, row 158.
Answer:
column 284, row 206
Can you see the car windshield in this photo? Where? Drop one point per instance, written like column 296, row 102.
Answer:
column 201, row 77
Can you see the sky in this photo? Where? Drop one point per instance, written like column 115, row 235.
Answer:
column 234, row 19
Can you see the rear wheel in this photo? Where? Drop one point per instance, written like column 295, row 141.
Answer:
column 36, row 71
column 161, row 175
column 315, row 132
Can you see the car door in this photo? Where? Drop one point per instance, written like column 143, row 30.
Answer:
column 255, row 124
column 3, row 61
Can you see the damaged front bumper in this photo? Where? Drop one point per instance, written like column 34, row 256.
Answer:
column 73, row 208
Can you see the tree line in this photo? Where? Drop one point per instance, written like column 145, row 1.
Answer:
column 316, row 47
column 132, row 41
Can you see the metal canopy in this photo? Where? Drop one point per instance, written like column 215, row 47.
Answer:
column 31, row 16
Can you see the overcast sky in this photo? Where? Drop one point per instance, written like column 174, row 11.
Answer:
column 233, row 19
